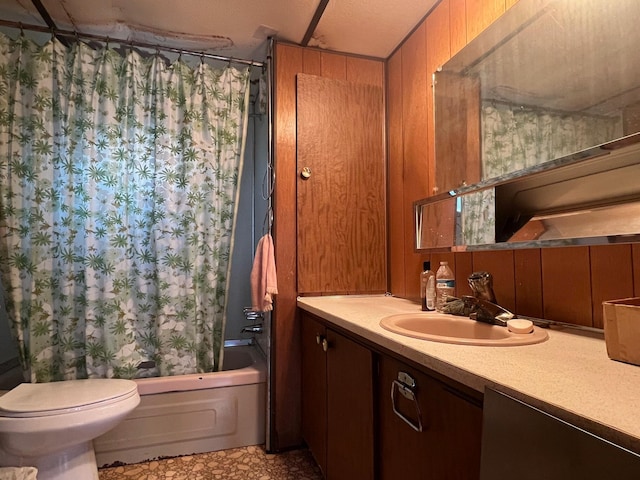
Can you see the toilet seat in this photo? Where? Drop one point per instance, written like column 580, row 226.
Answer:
column 57, row 398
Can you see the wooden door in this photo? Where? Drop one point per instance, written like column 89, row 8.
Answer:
column 448, row 447
column 314, row 389
column 349, row 410
column 341, row 202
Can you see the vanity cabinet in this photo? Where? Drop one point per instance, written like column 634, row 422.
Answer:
column 428, row 429
column 350, row 391
column 337, row 402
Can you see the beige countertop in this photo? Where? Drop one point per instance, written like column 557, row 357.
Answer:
column 569, row 375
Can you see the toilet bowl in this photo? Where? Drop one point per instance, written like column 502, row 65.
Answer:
column 51, row 426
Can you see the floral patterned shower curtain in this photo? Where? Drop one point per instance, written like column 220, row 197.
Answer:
column 118, row 179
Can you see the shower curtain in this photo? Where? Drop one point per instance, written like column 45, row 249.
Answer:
column 118, row 180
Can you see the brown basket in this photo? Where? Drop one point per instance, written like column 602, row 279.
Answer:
column 622, row 329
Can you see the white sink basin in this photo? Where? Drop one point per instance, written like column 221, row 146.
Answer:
column 439, row 327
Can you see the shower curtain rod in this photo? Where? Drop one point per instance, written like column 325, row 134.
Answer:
column 101, row 38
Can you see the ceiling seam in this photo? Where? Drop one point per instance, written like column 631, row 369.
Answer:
column 44, row 14
column 314, row 22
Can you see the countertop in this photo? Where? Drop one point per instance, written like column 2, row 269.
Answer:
column 569, row 375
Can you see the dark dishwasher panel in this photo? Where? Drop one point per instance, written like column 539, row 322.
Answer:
column 521, row 442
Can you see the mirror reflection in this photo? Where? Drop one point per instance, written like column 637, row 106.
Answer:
column 550, row 78
column 553, row 85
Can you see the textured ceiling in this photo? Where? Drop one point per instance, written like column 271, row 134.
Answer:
column 236, row 28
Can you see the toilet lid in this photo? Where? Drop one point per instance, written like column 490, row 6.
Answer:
column 48, row 398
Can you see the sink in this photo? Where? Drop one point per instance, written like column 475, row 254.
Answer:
column 440, row 327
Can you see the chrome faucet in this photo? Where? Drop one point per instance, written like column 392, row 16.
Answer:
column 482, row 306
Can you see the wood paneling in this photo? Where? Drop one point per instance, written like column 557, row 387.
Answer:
column 438, row 52
column 415, row 88
column 395, row 172
column 500, row 264
column 528, row 282
column 566, row 286
column 611, row 276
column 288, row 62
column 365, row 72
column 509, row 3
column 635, row 249
column 333, row 66
column 458, row 25
column 480, row 14
column 341, row 207
column 285, row 330
column 563, row 284
column 464, row 267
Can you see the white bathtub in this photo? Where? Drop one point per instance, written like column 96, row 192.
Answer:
column 194, row 413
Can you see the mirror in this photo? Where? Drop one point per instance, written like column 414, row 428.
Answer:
column 537, row 123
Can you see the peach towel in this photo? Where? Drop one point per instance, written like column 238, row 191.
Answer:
column 264, row 284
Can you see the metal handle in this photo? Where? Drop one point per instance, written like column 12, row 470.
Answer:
column 408, row 394
column 320, row 340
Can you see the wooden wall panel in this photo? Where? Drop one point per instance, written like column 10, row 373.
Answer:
column 611, row 276
column 464, row 267
column 415, row 88
column 365, row 72
column 438, row 52
column 566, row 286
column 458, row 25
column 288, row 62
column 285, row 330
column 480, row 14
column 528, row 282
column 395, row 171
column 333, row 66
column 500, row 263
column 635, row 249
column 509, row 3
column 311, row 62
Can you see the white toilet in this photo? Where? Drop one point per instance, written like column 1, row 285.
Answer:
column 51, row 426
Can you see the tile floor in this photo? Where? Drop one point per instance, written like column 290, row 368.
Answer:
column 246, row 463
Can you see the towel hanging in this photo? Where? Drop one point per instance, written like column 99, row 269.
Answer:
column 264, row 282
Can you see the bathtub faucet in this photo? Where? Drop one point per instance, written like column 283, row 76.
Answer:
column 257, row 328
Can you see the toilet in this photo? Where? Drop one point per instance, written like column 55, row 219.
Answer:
column 51, row 426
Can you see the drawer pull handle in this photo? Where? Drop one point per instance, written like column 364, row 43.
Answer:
column 406, row 392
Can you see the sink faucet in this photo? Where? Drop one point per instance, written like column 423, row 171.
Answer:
column 482, row 306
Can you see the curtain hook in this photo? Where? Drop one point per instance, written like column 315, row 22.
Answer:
column 201, row 58
column 21, row 29
column 180, row 56
column 106, row 46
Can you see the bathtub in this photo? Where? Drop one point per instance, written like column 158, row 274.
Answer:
column 193, row 413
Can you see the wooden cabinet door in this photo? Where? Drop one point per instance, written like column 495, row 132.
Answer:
column 341, row 198
column 349, row 410
column 337, row 402
column 447, row 448
column 314, row 389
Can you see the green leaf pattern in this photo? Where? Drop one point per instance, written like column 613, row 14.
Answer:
column 118, row 180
